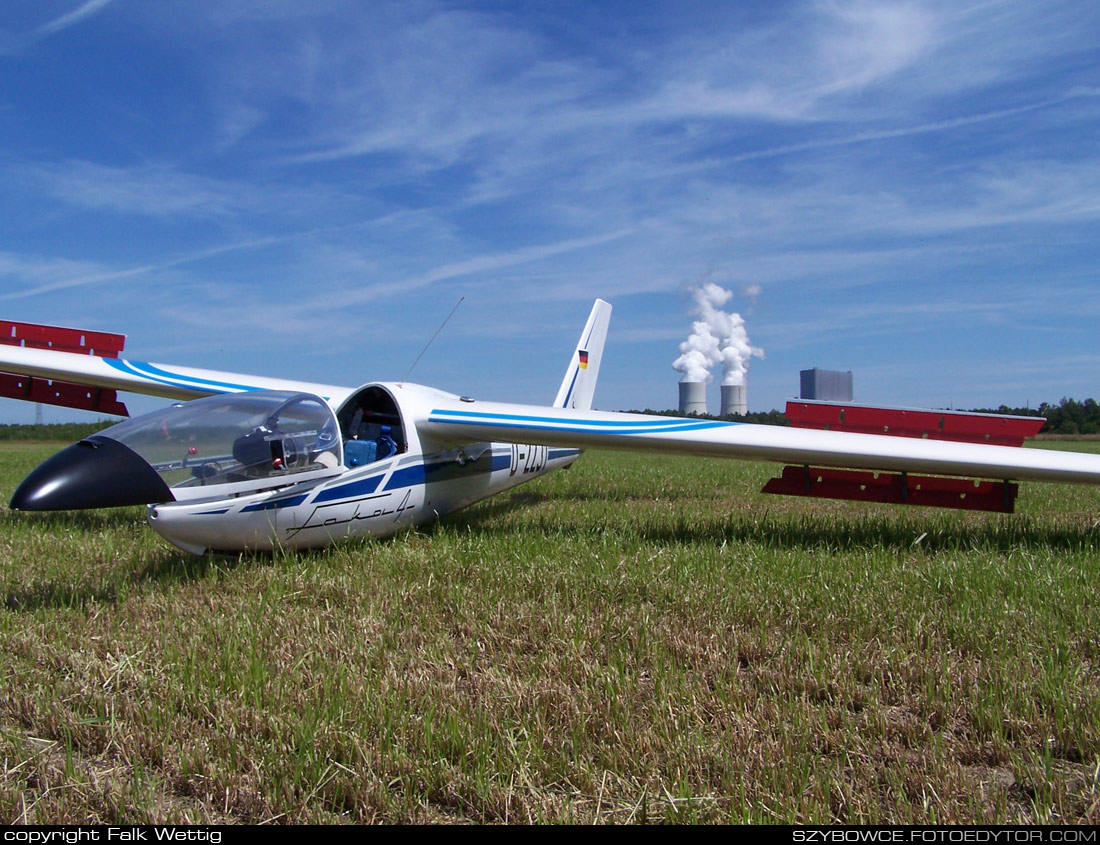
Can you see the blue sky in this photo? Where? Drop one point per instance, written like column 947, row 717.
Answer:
column 306, row 189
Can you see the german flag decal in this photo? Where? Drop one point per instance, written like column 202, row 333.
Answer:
column 582, row 356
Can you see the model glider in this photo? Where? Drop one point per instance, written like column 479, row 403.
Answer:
column 260, row 463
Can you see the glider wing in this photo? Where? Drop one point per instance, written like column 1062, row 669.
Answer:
column 29, row 357
column 465, row 421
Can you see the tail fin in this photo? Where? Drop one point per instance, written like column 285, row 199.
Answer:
column 579, row 384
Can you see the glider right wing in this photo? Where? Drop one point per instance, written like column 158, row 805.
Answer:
column 465, row 421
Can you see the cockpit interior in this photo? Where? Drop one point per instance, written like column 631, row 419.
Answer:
column 371, row 427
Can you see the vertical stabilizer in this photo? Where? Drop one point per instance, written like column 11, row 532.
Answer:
column 579, row 384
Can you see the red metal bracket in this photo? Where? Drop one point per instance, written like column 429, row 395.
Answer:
column 895, row 488
column 961, row 426
column 63, row 393
column 37, row 336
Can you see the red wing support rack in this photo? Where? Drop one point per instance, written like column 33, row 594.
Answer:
column 903, row 488
column 961, row 426
column 895, row 488
column 63, row 393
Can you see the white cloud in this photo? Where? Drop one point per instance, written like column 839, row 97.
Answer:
column 11, row 43
column 34, row 275
column 146, row 189
column 72, row 18
column 344, row 158
column 863, row 42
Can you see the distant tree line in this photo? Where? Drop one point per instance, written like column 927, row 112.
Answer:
column 772, row 417
column 52, row 431
column 1067, row 417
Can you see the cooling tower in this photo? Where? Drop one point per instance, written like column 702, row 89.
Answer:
column 734, row 400
column 693, row 397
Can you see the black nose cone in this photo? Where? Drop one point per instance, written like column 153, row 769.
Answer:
column 95, row 473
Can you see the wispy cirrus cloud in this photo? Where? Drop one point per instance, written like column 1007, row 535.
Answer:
column 85, row 10
column 30, row 276
column 142, row 189
column 481, row 85
column 338, row 164
column 170, row 192
column 13, row 42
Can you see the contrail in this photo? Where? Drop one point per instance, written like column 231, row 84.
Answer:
column 76, row 16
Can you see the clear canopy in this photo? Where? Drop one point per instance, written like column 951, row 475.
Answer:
column 259, row 438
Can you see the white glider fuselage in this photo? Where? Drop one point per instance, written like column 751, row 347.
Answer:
column 422, row 483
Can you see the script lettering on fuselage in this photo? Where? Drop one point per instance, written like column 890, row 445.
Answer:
column 370, row 507
column 528, row 459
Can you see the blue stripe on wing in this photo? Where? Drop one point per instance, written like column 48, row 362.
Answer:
column 156, row 374
column 582, row 426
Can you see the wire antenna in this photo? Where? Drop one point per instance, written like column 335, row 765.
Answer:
column 429, row 343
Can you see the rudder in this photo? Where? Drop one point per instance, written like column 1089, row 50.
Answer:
column 579, row 384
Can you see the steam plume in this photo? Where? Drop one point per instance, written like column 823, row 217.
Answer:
column 716, row 338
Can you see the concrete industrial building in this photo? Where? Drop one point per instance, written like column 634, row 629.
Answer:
column 693, row 397
column 826, row 385
column 734, row 400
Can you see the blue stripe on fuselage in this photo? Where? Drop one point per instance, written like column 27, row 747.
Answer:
column 361, row 487
column 288, row 502
column 407, row 477
column 448, row 470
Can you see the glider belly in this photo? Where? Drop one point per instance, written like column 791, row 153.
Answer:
column 370, row 501
column 460, row 480
column 376, row 500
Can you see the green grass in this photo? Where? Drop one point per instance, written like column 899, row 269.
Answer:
column 636, row 639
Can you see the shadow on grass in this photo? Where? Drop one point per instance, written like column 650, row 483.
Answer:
column 165, row 567
column 29, row 595
column 784, row 529
column 93, row 520
column 896, row 532
column 162, row 566
column 901, row 535
column 490, row 509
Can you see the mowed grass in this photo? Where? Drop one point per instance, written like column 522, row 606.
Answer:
column 637, row 639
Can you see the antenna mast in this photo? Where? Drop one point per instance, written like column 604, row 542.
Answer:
column 429, row 343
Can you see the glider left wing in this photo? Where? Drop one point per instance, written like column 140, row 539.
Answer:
column 169, row 381
column 464, row 421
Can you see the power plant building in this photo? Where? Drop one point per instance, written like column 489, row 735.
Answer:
column 693, row 397
column 734, row 400
column 826, row 385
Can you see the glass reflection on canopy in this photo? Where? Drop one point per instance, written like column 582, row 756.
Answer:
column 263, row 436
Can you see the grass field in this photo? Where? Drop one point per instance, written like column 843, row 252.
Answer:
column 637, row 639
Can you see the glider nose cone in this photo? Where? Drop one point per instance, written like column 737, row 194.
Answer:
column 95, row 473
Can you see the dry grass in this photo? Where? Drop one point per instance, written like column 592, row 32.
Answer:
column 633, row 640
